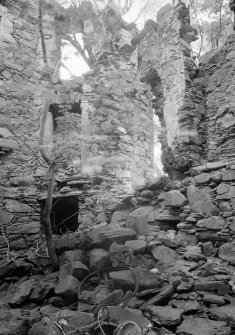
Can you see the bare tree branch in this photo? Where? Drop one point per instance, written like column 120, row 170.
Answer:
column 28, row 146
column 141, row 11
column 192, row 5
column 44, row 52
column 77, row 46
column 220, row 23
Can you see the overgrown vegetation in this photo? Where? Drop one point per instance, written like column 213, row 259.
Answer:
column 212, row 19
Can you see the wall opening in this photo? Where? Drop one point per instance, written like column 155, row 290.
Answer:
column 64, row 215
column 153, row 79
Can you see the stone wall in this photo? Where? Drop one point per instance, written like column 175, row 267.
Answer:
column 195, row 106
column 209, row 215
column 198, row 211
column 166, row 64
column 102, row 130
column 217, row 71
column 110, row 138
column 121, row 129
column 23, row 83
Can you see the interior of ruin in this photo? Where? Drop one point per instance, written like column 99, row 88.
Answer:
column 142, row 244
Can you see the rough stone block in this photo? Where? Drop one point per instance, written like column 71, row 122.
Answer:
column 8, row 144
column 211, row 235
column 67, row 289
column 99, row 259
column 218, row 287
column 214, row 299
column 119, row 217
column 15, row 206
column 224, row 313
column 75, row 320
column 6, row 218
column 166, row 316
column 20, row 228
column 203, row 178
column 164, row 256
column 103, row 237
column 44, row 327
column 125, row 280
column 227, row 252
column 138, row 223
column 71, row 256
column 200, row 201
column 76, row 269
column 212, row 223
column 195, row 326
column 14, row 326
column 173, row 198
column 228, row 175
column 121, row 255
column 138, row 246
column 189, row 239
column 22, row 293
column 66, row 243
column 208, row 249
column 5, row 133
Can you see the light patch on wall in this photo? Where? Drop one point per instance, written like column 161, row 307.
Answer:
column 158, row 167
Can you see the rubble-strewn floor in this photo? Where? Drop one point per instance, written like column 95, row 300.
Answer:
column 140, row 285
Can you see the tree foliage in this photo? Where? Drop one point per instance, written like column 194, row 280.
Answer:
column 212, row 19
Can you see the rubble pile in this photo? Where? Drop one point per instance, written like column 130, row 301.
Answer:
column 118, row 280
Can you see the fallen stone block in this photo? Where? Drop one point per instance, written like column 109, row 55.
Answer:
column 224, row 313
column 164, row 256
column 76, row 269
column 99, row 259
column 166, row 316
column 124, row 279
column 22, row 293
column 196, row 326
column 138, row 246
column 103, row 237
column 67, row 289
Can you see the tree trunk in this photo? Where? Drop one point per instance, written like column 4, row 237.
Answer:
column 47, row 211
column 44, row 52
column 48, row 159
column 47, row 218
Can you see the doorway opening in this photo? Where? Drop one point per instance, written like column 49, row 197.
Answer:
column 64, row 214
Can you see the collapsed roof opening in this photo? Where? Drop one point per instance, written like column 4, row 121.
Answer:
column 64, row 215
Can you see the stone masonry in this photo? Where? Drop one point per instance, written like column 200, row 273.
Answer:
column 101, row 128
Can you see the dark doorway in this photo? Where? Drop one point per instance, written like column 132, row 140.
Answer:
column 64, row 215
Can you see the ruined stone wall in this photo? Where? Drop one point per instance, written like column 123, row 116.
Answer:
column 23, row 84
column 165, row 52
column 102, row 130
column 217, row 70
column 209, row 215
column 208, row 218
column 117, row 127
column 121, row 124
column 113, row 136
column 195, row 106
